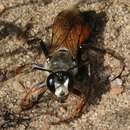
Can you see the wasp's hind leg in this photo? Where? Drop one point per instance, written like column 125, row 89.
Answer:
column 113, row 54
column 81, row 105
column 109, row 51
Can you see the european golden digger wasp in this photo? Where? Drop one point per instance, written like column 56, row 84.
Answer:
column 63, row 59
column 69, row 31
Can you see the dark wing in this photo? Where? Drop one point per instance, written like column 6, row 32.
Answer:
column 69, row 31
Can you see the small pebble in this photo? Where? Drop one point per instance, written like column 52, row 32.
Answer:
column 2, row 8
column 116, row 87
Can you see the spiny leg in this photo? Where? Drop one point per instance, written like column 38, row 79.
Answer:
column 115, row 55
column 34, row 43
column 15, row 71
column 32, row 98
column 78, row 110
column 33, row 95
column 12, row 71
column 76, row 114
column 110, row 52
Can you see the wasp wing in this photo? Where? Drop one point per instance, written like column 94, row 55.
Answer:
column 69, row 31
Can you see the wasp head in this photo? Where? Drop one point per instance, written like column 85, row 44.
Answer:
column 60, row 84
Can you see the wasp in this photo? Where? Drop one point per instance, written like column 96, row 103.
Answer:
column 69, row 32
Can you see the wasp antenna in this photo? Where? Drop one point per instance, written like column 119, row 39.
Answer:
column 37, row 66
column 40, row 67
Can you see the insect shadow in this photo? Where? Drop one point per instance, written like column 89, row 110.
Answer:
column 93, row 76
column 97, row 75
column 9, row 28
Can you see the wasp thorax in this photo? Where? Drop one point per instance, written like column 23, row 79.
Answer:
column 61, row 60
column 60, row 84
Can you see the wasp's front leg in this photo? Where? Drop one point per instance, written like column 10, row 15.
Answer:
column 84, row 94
column 33, row 95
column 109, row 51
column 77, row 111
column 13, row 71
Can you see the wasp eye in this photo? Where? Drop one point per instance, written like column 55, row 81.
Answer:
column 50, row 83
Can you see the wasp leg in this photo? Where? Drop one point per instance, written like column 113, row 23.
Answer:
column 78, row 111
column 32, row 96
column 45, row 48
column 84, row 97
column 115, row 55
column 42, row 44
column 73, row 116
column 110, row 52
column 14, row 71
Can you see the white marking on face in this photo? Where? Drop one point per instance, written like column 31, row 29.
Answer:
column 62, row 88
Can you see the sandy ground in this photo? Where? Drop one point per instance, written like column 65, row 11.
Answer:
column 109, row 102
